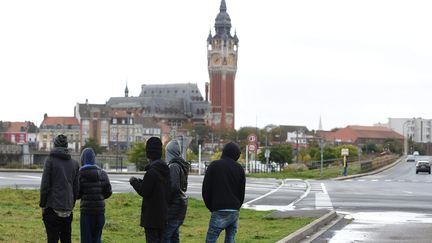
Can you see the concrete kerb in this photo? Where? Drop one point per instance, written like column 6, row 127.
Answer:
column 309, row 229
column 341, row 178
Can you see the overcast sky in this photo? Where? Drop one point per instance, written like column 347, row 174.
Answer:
column 350, row 62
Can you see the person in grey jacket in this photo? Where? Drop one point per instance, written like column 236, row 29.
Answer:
column 177, row 206
column 58, row 191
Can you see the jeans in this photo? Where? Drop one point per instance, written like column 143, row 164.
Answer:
column 57, row 227
column 91, row 226
column 171, row 233
column 222, row 220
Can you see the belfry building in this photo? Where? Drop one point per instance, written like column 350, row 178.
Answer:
column 222, row 53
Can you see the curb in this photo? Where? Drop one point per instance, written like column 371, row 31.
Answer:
column 369, row 173
column 309, row 229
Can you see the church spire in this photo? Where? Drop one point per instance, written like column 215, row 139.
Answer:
column 320, row 127
column 126, row 91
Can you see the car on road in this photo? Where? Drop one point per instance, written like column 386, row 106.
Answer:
column 423, row 166
column 410, row 158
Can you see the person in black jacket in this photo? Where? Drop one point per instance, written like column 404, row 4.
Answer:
column 58, row 191
column 223, row 192
column 179, row 170
column 154, row 188
column 94, row 188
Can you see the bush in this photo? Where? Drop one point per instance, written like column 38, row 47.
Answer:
column 296, row 167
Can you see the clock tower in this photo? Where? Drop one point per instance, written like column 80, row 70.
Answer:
column 222, row 52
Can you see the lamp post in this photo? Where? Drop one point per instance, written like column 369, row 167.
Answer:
column 405, row 134
column 322, row 155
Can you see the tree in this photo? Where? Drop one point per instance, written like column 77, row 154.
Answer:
column 190, row 155
column 329, row 152
column 137, row 155
column 394, row 145
column 353, row 150
column 280, row 153
column 216, row 156
column 92, row 143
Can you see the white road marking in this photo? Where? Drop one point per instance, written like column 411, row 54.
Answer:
column 263, row 196
column 322, row 199
column 118, row 182
column 388, row 180
column 30, row 177
column 375, row 180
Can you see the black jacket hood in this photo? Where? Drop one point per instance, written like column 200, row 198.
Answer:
column 61, row 153
column 231, row 150
column 160, row 166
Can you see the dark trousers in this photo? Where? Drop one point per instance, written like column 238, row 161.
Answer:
column 153, row 235
column 91, row 226
column 57, row 227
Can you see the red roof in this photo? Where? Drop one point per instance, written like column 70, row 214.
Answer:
column 15, row 127
column 353, row 133
column 65, row 120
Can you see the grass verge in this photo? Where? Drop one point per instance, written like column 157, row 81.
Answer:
column 329, row 172
column 21, row 221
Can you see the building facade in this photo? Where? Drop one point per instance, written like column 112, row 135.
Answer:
column 222, row 54
column 417, row 129
column 94, row 123
column 53, row 126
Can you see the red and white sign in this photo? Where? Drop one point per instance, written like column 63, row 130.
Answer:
column 252, row 138
column 251, row 147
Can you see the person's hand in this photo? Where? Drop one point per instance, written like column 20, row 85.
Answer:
column 132, row 179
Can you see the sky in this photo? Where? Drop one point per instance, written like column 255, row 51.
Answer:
column 348, row 62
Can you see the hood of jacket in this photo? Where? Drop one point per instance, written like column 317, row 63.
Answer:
column 183, row 164
column 60, row 152
column 160, row 166
column 231, row 150
column 172, row 150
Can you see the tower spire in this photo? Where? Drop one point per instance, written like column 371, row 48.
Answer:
column 223, row 7
column 320, row 128
column 126, row 90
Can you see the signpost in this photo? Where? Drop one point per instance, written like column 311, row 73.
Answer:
column 345, row 153
column 251, row 147
column 267, row 156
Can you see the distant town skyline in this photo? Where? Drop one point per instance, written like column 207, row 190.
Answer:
column 348, row 62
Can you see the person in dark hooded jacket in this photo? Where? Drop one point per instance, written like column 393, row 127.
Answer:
column 154, row 188
column 94, row 188
column 179, row 170
column 58, row 191
column 223, row 191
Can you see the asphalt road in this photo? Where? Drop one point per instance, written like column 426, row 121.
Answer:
column 392, row 206
column 260, row 193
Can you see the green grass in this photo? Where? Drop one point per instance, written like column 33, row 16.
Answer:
column 329, row 172
column 21, row 221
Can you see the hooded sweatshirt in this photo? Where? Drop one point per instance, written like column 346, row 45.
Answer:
column 154, row 188
column 59, row 184
column 94, row 185
column 224, row 182
column 179, row 170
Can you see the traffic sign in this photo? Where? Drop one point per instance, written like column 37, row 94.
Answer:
column 251, row 147
column 252, row 138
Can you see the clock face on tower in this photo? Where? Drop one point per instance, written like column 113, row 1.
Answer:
column 216, row 59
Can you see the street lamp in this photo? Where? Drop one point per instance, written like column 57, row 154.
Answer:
column 405, row 134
